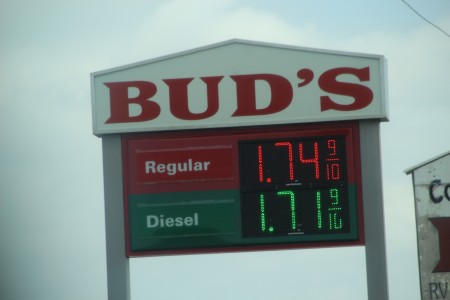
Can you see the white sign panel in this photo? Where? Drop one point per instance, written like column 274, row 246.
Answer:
column 238, row 83
column 432, row 198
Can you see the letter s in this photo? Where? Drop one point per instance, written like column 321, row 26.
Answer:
column 179, row 222
column 361, row 94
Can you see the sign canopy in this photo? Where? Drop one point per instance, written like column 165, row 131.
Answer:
column 238, row 83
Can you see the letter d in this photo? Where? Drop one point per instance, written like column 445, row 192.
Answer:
column 280, row 97
column 152, row 221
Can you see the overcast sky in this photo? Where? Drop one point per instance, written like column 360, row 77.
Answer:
column 51, row 189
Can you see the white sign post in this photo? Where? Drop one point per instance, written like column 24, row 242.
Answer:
column 431, row 183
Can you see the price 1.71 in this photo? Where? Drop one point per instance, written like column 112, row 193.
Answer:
column 295, row 212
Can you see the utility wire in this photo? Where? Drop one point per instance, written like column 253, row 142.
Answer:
column 425, row 19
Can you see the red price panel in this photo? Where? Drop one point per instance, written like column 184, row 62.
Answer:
column 296, row 186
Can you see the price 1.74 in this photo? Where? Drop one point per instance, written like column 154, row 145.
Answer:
column 316, row 161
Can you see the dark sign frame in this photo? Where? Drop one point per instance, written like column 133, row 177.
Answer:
column 139, row 193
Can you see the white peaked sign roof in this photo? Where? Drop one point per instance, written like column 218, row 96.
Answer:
column 238, row 83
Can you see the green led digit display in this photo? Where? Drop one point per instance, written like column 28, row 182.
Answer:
column 294, row 187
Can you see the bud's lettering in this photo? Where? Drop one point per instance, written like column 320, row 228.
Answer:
column 280, row 97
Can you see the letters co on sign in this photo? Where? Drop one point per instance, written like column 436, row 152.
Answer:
column 241, row 145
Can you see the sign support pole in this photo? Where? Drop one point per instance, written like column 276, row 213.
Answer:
column 118, row 271
column 376, row 267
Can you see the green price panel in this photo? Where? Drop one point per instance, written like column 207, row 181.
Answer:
column 184, row 220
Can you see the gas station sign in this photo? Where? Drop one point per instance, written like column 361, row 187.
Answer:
column 277, row 187
column 242, row 146
column 254, row 145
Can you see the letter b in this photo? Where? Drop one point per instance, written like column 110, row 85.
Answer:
column 120, row 101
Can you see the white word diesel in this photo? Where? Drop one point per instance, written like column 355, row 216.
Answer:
column 154, row 221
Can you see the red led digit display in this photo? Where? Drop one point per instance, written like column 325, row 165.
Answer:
column 296, row 186
column 294, row 161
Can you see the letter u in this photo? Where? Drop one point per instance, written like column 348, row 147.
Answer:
column 179, row 102
column 182, row 167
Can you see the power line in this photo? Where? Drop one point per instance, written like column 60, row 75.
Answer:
column 425, row 19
